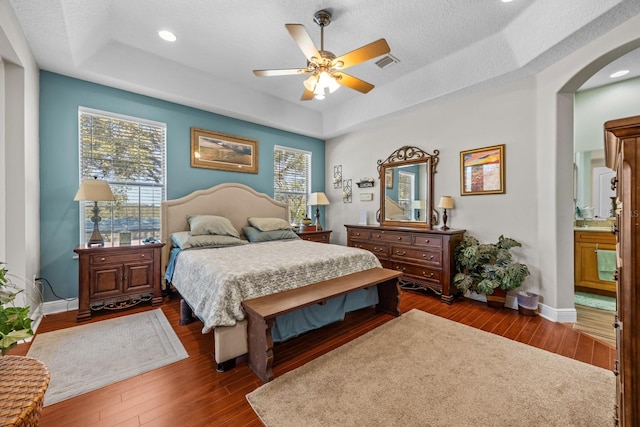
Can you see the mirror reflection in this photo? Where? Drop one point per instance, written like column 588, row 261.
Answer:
column 406, row 178
column 593, row 193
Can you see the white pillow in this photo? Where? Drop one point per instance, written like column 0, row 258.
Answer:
column 270, row 224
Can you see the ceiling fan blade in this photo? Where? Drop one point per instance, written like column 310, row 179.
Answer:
column 364, row 53
column 302, row 38
column 283, row 72
column 307, row 95
column 353, row 82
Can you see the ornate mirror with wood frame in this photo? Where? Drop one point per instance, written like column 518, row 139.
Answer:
column 406, row 188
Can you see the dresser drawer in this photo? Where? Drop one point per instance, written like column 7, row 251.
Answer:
column 358, row 234
column 422, row 273
column 427, row 240
column 417, row 255
column 380, row 249
column 390, row 236
column 121, row 258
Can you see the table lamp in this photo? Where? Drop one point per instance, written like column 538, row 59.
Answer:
column 318, row 199
column 446, row 202
column 97, row 191
column 418, row 205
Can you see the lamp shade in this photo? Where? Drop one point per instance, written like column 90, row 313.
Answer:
column 418, row 204
column 94, row 190
column 446, row 202
column 318, row 199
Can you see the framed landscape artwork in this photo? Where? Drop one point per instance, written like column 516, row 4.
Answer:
column 482, row 171
column 215, row 150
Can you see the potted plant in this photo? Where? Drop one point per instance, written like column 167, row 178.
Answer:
column 488, row 268
column 15, row 323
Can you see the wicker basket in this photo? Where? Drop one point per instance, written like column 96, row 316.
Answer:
column 23, row 381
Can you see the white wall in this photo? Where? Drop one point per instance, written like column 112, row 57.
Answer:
column 534, row 119
column 20, row 185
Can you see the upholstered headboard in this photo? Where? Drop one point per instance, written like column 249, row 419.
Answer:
column 237, row 202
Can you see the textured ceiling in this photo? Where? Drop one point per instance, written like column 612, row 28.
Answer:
column 444, row 46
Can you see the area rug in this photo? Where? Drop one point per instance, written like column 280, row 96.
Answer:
column 596, row 301
column 423, row 370
column 91, row 356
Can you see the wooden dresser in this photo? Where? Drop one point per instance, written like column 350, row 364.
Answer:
column 622, row 154
column 425, row 257
column 115, row 277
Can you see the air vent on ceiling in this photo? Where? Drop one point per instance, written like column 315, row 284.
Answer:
column 386, row 60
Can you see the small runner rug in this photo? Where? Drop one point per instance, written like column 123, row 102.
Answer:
column 596, row 301
column 424, row 370
column 87, row 357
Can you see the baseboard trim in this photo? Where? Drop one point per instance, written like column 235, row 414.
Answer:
column 560, row 315
column 59, row 306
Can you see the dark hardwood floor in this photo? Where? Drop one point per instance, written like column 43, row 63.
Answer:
column 191, row 393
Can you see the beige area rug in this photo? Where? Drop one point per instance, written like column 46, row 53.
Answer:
column 423, row 370
column 91, row 356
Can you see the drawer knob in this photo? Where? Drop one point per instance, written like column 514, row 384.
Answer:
column 102, row 259
column 400, row 238
column 401, row 253
column 357, row 234
column 426, row 241
column 378, row 249
column 427, row 275
column 400, row 269
column 425, row 256
column 141, row 255
column 378, row 236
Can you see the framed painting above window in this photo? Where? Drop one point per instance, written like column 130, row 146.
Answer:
column 215, row 150
column 482, row 171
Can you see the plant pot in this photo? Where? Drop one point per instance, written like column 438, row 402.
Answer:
column 497, row 298
column 528, row 303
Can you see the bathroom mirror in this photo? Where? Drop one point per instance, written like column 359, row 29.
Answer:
column 406, row 188
column 592, row 184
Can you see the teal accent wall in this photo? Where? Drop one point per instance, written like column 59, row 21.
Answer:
column 60, row 97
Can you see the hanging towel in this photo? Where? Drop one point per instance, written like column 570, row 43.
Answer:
column 606, row 264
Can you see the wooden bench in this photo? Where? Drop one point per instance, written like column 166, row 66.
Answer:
column 262, row 311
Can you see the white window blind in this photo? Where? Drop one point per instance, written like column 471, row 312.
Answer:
column 129, row 154
column 292, row 180
column 406, row 191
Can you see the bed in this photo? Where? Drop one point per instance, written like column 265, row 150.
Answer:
column 213, row 282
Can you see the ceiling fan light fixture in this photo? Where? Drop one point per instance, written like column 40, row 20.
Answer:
column 326, row 81
column 311, row 83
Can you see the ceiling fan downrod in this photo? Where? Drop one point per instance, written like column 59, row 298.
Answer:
column 322, row 18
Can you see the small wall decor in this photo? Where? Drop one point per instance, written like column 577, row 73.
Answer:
column 215, row 150
column 346, row 191
column 337, row 176
column 482, row 171
column 366, row 182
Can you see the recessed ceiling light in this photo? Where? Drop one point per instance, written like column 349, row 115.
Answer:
column 507, row 1
column 619, row 73
column 167, row 35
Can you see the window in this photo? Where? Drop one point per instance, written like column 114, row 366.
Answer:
column 292, row 180
column 129, row 154
column 405, row 191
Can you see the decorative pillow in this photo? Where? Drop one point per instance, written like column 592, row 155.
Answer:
column 254, row 235
column 211, row 224
column 270, row 224
column 184, row 240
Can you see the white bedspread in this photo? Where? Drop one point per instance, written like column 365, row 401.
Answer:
column 215, row 281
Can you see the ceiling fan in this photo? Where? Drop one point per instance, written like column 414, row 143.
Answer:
column 324, row 67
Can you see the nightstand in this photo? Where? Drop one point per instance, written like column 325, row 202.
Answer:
column 116, row 277
column 315, row 236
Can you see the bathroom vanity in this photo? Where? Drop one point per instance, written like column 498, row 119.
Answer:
column 586, row 242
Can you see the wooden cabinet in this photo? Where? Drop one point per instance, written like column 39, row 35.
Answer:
column 586, row 278
column 323, row 236
column 425, row 257
column 622, row 154
column 115, row 277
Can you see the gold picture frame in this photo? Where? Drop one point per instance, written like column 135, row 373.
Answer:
column 482, row 171
column 215, row 150
column 388, row 178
